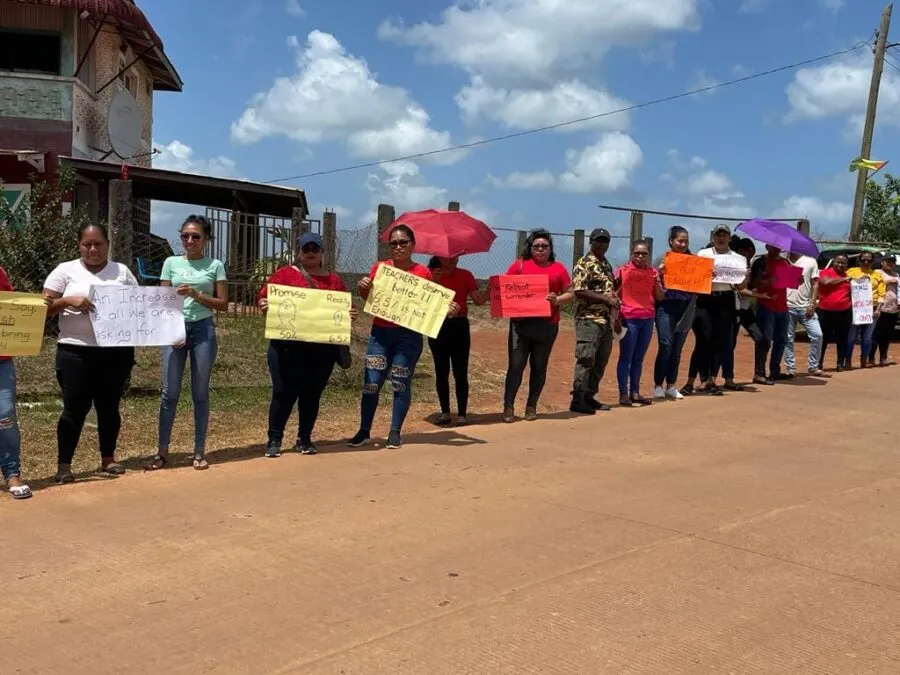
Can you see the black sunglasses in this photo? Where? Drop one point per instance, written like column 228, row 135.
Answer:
column 311, row 248
column 190, row 236
column 399, row 243
column 540, row 247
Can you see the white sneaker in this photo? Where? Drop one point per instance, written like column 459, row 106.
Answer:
column 659, row 393
column 674, row 394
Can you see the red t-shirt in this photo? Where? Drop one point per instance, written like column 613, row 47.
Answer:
column 764, row 269
column 461, row 282
column 637, row 291
column 833, row 298
column 414, row 268
column 4, row 286
column 291, row 276
column 559, row 279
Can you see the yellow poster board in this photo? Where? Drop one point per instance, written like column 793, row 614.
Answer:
column 409, row 301
column 308, row 315
column 22, row 317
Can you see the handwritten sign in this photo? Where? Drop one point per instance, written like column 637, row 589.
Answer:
column 409, row 301
column 137, row 316
column 22, row 317
column 308, row 315
column 516, row 296
column 690, row 273
column 729, row 269
column 637, row 287
column 861, row 299
column 787, row 276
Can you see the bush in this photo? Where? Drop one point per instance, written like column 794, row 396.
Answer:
column 31, row 245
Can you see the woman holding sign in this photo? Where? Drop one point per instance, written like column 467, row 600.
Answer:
column 531, row 340
column 888, row 309
column 640, row 289
column 201, row 281
column 450, row 349
column 674, row 317
column 300, row 370
column 10, row 439
column 393, row 350
column 864, row 332
column 87, row 374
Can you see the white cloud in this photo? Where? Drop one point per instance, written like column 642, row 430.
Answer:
column 605, row 166
column 752, row 6
column 403, row 185
column 817, row 210
column 525, row 180
column 512, row 41
column 832, row 5
column 334, row 96
column 702, row 80
column 293, row 8
column 531, row 108
column 176, row 156
column 707, row 182
column 840, row 89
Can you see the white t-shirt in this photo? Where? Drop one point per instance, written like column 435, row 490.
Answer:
column 798, row 298
column 73, row 279
column 737, row 260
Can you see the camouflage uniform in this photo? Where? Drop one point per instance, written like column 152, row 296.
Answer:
column 593, row 324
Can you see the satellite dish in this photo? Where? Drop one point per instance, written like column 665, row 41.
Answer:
column 124, row 125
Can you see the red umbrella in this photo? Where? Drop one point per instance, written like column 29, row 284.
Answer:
column 445, row 234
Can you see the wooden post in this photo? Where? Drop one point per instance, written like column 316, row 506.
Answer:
column 637, row 227
column 521, row 237
column 385, row 218
column 329, row 234
column 649, row 241
column 803, row 226
column 453, row 206
column 121, row 227
column 577, row 246
column 298, row 227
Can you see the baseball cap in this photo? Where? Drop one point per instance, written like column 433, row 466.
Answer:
column 310, row 238
column 599, row 233
column 721, row 227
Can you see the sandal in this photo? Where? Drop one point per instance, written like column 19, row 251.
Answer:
column 641, row 400
column 818, row 372
column 20, row 492
column 443, row 420
column 734, row 386
column 64, row 478
column 200, row 463
column 625, row 402
column 783, row 376
column 157, row 462
column 712, row 390
column 509, row 415
column 687, row 390
column 113, row 469
column 757, row 379
column 530, row 414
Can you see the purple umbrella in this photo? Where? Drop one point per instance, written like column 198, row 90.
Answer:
column 782, row 235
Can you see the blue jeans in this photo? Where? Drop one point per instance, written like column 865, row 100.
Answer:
column 813, row 332
column 10, row 440
column 866, row 331
column 668, row 357
column 200, row 344
column 393, row 351
column 632, row 349
column 774, row 329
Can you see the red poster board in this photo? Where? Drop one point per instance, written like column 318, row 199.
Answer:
column 516, row 296
column 637, row 287
column 787, row 276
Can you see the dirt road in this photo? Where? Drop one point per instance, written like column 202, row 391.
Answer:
column 755, row 533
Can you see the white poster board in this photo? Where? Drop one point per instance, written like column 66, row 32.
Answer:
column 137, row 316
column 861, row 297
column 729, row 269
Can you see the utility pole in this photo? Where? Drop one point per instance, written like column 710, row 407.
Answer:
column 877, row 68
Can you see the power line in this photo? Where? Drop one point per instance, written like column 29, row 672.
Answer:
column 559, row 125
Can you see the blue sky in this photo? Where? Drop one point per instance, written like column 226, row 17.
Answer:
column 277, row 88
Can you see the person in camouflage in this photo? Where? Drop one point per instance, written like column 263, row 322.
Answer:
column 592, row 281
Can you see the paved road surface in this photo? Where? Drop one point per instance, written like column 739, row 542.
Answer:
column 757, row 533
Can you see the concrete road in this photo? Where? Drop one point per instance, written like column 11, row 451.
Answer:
column 755, row 533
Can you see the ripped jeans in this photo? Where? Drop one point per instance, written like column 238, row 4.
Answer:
column 394, row 352
column 9, row 429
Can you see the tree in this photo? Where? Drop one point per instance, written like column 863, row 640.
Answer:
column 39, row 235
column 881, row 217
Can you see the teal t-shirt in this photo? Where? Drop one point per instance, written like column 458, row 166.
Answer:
column 202, row 274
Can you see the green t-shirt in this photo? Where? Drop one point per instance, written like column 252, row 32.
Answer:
column 202, row 274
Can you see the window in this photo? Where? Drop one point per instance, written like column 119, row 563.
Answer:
column 30, row 52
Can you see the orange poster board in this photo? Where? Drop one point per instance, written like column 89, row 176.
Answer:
column 689, row 273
